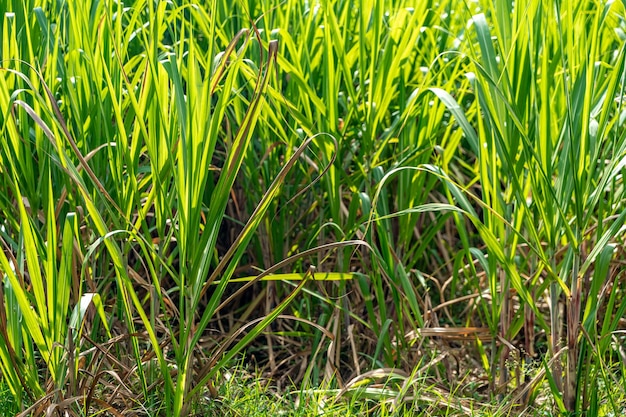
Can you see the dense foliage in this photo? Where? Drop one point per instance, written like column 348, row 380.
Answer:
column 412, row 205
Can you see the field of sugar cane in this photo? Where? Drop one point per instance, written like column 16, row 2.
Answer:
column 312, row 207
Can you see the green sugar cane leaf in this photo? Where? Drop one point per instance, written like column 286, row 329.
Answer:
column 486, row 45
column 616, row 227
column 64, row 282
column 383, row 340
column 616, row 304
column 41, row 331
column 459, row 115
column 600, row 273
column 557, row 395
column 410, row 293
column 294, row 276
column 52, row 284
column 171, row 66
column 11, row 345
column 28, row 314
column 481, row 258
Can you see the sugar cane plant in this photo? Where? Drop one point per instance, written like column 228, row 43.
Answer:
column 452, row 170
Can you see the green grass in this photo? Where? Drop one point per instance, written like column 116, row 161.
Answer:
column 330, row 188
column 246, row 394
column 8, row 405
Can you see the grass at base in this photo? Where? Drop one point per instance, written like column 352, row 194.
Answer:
column 8, row 406
column 242, row 393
